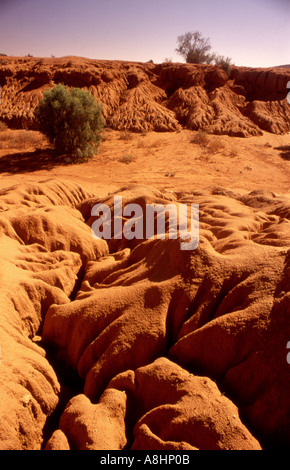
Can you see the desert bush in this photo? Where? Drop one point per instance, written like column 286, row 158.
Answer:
column 72, row 120
column 215, row 145
column 21, row 139
column 201, row 139
column 211, row 145
column 224, row 62
column 126, row 135
column 234, row 151
column 127, row 159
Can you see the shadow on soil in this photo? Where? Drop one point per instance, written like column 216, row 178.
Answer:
column 32, row 161
column 284, row 151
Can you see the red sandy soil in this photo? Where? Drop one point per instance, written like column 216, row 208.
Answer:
column 167, row 160
column 138, row 344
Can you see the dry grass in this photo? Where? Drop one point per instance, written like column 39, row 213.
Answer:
column 27, row 139
column 108, row 135
column 208, row 144
column 157, row 143
column 145, row 144
column 233, row 151
column 126, row 135
column 22, row 140
column 216, row 145
column 201, row 139
column 127, row 159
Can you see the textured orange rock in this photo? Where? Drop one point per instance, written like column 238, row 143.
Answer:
column 147, row 326
column 220, row 310
column 174, row 410
column 145, row 96
column 58, row 441
column 37, row 269
column 178, row 407
column 95, row 427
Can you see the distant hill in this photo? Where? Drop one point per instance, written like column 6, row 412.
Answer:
column 287, row 66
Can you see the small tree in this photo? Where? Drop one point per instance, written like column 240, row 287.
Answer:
column 71, row 119
column 194, row 48
column 224, row 62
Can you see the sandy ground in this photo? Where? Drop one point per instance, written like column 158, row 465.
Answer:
column 169, row 160
column 144, row 322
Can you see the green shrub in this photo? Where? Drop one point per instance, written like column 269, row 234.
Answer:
column 72, row 120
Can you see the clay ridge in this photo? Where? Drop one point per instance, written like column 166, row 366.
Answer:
column 154, row 97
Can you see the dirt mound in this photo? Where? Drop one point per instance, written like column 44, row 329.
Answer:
column 171, row 348
column 173, row 409
column 40, row 262
column 148, row 97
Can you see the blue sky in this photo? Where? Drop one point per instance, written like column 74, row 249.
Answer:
column 253, row 33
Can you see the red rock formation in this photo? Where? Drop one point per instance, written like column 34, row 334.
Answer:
column 145, row 96
column 214, row 310
column 40, row 260
column 147, row 326
column 173, row 410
